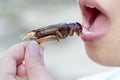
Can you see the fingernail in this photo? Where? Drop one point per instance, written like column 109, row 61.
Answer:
column 33, row 48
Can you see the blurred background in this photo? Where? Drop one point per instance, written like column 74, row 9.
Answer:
column 65, row 60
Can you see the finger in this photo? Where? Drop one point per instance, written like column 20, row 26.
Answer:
column 35, row 63
column 21, row 71
column 17, row 52
column 11, row 58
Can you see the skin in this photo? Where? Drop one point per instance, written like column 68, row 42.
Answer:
column 11, row 63
column 105, row 51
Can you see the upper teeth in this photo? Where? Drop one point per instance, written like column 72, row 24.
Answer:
column 90, row 6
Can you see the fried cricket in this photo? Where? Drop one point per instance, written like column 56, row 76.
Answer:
column 54, row 32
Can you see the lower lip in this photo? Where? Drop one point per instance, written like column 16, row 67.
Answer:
column 100, row 29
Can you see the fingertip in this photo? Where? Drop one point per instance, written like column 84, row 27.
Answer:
column 32, row 49
column 17, row 48
column 20, row 44
column 21, row 71
column 16, row 52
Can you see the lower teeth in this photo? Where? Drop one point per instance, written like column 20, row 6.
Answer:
column 91, row 28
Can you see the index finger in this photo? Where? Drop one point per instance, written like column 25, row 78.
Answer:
column 11, row 58
column 16, row 52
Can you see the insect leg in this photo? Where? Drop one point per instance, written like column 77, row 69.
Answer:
column 71, row 32
column 77, row 32
column 59, row 35
column 41, row 40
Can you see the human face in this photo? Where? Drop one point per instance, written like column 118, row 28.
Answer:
column 101, row 33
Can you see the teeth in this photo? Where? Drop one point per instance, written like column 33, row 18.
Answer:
column 91, row 28
column 90, row 6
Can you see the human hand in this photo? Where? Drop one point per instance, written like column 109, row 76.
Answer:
column 11, row 63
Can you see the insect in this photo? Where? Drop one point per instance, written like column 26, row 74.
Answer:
column 53, row 32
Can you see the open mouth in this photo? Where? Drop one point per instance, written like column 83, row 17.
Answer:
column 95, row 20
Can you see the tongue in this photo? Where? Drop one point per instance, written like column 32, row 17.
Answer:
column 98, row 29
column 101, row 23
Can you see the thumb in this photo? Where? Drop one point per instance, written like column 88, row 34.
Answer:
column 34, row 63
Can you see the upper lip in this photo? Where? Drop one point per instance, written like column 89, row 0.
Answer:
column 93, row 3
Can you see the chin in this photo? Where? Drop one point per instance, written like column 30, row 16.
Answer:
column 103, row 57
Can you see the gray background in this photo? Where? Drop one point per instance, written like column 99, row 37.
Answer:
column 65, row 60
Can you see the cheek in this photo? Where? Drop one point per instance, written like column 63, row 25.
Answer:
column 115, row 10
column 112, row 7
